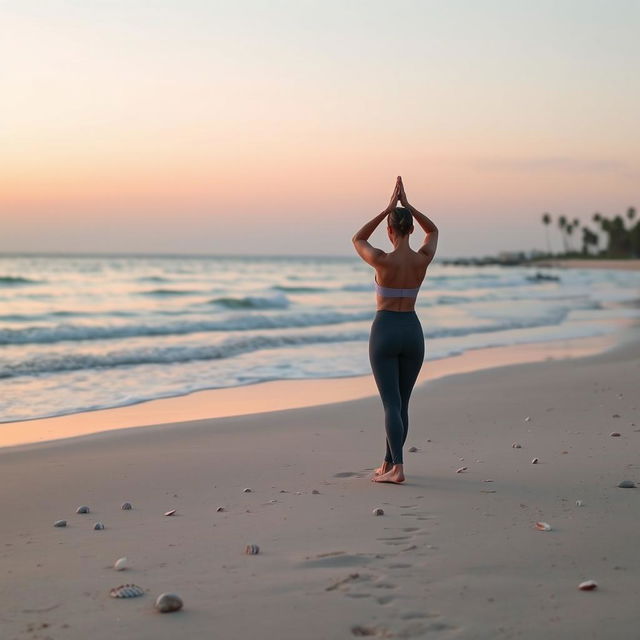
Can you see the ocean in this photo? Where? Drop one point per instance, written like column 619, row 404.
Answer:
column 79, row 333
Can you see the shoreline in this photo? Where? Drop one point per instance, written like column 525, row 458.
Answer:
column 620, row 265
column 279, row 395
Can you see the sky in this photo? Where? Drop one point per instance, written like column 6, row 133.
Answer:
column 279, row 126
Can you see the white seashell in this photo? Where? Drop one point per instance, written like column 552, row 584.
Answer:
column 315, row 492
column 588, row 585
column 219, row 509
column 515, row 445
column 171, row 512
column 615, row 434
column 579, row 503
column 461, row 469
column 413, row 449
column 543, row 526
column 121, row 564
column 168, row 602
column 534, row 461
column 126, row 506
column 527, row 419
column 60, row 523
column 378, row 511
column 273, row 501
column 98, row 526
column 82, row 509
column 252, row 549
column 247, row 490
column 126, row 591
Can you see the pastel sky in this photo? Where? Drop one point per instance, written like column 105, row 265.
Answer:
column 279, row 126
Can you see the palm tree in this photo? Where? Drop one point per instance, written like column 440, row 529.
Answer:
column 631, row 214
column 569, row 229
column 546, row 221
column 562, row 223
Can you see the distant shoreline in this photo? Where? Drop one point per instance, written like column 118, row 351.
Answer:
column 624, row 265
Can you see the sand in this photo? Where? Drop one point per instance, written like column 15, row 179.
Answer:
column 453, row 556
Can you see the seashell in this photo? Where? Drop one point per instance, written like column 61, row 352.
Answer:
column 126, row 506
column 587, row 585
column 252, row 549
column 247, row 490
column 534, row 461
column 461, row 469
column 487, row 481
column 168, row 602
column 219, row 509
column 98, row 526
column 281, row 491
column 413, row 449
column 615, row 415
column 315, row 492
column 527, row 419
column 515, row 445
column 121, row 564
column 543, row 526
column 171, row 512
column 60, row 523
column 614, row 434
column 579, row 503
column 274, row 500
column 378, row 511
column 627, row 484
column 126, row 591
column 82, row 509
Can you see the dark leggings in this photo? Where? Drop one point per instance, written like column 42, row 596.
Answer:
column 396, row 352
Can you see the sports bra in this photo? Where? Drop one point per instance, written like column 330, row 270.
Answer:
column 394, row 292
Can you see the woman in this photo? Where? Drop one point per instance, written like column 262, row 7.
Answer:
column 396, row 343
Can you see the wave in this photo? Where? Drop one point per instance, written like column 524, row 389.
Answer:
column 75, row 332
column 10, row 281
column 234, row 346
column 299, row 289
column 252, row 302
column 152, row 279
column 168, row 292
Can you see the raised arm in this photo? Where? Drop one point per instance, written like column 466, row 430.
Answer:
column 430, row 243
column 367, row 252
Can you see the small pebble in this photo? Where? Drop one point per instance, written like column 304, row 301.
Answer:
column 168, row 602
column 527, row 419
column 126, row 506
column 121, row 564
column 219, row 509
column 461, row 469
column 627, row 484
column 587, row 585
column 82, row 509
column 315, row 492
column 413, row 449
column 535, row 461
column 615, row 415
column 98, row 526
column 579, row 503
column 543, row 526
column 60, row 523
column 378, row 511
column 247, row 490
column 614, row 434
column 252, row 549
column 515, row 445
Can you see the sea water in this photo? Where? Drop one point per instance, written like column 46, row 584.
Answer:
column 85, row 332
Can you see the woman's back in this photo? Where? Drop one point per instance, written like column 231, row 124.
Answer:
column 401, row 269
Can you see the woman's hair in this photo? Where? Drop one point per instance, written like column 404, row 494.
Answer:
column 401, row 220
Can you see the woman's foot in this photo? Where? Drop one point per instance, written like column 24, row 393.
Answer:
column 386, row 466
column 395, row 475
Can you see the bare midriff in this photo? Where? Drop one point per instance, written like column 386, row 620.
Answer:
column 395, row 304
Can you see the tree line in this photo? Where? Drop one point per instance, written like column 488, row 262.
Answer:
column 612, row 237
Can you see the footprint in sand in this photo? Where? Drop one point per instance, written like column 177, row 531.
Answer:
column 345, row 474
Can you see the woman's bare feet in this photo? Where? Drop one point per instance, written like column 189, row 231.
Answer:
column 386, row 466
column 395, row 475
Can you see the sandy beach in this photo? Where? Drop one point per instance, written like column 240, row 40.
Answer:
column 455, row 555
